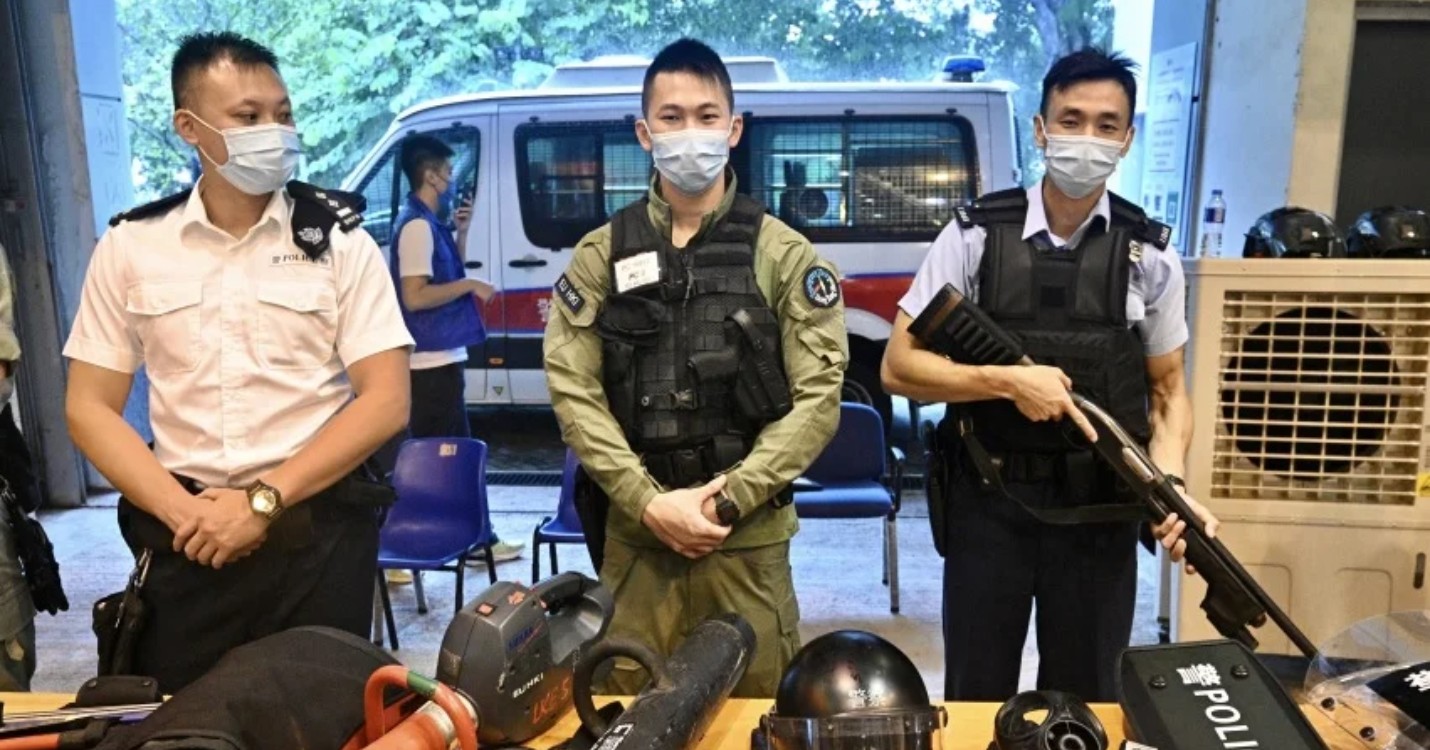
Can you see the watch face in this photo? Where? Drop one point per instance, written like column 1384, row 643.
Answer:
column 264, row 501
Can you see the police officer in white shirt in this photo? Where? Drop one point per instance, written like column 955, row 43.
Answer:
column 1089, row 284
column 277, row 361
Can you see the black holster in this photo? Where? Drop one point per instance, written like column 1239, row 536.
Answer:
column 36, row 554
column 761, row 388
column 937, row 482
column 593, row 506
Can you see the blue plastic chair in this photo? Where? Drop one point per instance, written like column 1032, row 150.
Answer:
column 566, row 527
column 852, row 479
column 441, row 518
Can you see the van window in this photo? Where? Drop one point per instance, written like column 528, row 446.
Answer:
column 386, row 186
column 573, row 175
column 852, row 179
column 376, row 189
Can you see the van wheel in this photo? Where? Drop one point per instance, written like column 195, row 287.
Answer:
column 862, row 386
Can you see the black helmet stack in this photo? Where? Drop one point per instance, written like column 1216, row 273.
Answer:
column 1293, row 232
column 1390, row 232
column 851, row 690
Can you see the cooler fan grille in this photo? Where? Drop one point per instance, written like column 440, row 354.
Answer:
column 1322, row 397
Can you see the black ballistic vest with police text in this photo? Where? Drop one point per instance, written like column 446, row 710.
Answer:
column 1069, row 309
column 670, row 351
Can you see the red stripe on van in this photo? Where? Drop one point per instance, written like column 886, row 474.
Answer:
column 877, row 293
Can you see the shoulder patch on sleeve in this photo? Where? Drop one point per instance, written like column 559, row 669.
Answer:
column 569, row 294
column 153, row 208
column 821, row 287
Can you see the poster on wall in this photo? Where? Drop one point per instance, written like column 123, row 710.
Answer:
column 1167, row 133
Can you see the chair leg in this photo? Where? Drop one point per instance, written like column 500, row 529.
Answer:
column 421, row 594
column 554, row 569
column 891, row 530
column 387, row 612
column 885, row 547
column 377, row 632
column 461, row 578
column 536, row 555
column 492, row 563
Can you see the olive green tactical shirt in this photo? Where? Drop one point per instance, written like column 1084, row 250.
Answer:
column 802, row 290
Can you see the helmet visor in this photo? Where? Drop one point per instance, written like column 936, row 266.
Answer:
column 912, row 729
column 1405, row 231
column 1309, row 236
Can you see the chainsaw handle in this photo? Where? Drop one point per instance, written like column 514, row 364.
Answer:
column 398, row 676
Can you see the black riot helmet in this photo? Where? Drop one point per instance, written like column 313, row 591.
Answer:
column 851, row 690
column 1390, row 232
column 1292, row 232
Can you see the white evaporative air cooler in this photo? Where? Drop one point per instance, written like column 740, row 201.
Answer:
column 1309, row 383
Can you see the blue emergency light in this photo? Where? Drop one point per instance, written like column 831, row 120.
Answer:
column 961, row 68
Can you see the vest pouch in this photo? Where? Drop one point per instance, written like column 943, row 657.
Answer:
column 632, row 319
column 627, row 323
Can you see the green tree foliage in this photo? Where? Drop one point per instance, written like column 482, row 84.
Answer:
column 352, row 66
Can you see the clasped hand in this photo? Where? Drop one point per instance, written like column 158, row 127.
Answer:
column 685, row 520
column 220, row 530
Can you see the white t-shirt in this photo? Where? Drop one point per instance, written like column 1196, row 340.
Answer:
column 414, row 258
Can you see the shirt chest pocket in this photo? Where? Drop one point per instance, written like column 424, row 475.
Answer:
column 297, row 324
column 166, row 317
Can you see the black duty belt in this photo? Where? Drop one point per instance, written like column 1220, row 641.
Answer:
column 996, row 468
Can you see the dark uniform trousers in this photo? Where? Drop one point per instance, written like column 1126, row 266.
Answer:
column 317, row 567
column 439, row 408
column 1000, row 561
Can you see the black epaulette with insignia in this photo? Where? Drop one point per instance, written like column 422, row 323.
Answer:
column 153, row 208
column 316, row 210
column 1003, row 207
column 1144, row 229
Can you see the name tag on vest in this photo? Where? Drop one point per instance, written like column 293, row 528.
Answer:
column 637, row 271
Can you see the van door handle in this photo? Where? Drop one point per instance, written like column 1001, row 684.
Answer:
column 473, row 264
column 527, row 263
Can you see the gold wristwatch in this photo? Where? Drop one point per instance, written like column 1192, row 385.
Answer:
column 265, row 500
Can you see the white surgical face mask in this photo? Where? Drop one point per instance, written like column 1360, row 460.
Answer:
column 261, row 158
column 1080, row 164
column 691, row 160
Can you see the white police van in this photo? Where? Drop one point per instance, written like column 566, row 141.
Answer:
column 869, row 172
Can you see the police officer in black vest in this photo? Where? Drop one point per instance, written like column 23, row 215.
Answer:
column 1091, row 287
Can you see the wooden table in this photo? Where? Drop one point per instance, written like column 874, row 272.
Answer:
column 970, row 725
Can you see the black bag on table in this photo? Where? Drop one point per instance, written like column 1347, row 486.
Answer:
column 301, row 688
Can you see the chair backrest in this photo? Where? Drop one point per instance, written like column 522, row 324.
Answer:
column 566, row 506
column 441, row 486
column 856, row 453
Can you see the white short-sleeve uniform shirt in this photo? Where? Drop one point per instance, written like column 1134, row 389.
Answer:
column 246, row 341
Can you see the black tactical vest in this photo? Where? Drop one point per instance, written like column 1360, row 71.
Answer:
column 670, row 354
column 1069, row 308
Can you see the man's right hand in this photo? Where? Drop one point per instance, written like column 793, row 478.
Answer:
column 482, row 291
column 1045, row 393
column 676, row 520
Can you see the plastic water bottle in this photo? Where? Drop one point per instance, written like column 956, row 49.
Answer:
column 1213, row 221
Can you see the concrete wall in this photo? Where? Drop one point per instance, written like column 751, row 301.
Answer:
column 1276, row 102
column 50, row 231
column 101, row 90
column 1251, row 108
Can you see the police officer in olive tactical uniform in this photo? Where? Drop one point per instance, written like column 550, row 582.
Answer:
column 1023, row 511
column 695, row 355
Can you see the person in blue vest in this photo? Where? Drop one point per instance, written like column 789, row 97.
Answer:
column 441, row 306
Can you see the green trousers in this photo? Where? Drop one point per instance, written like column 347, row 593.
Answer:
column 661, row 596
